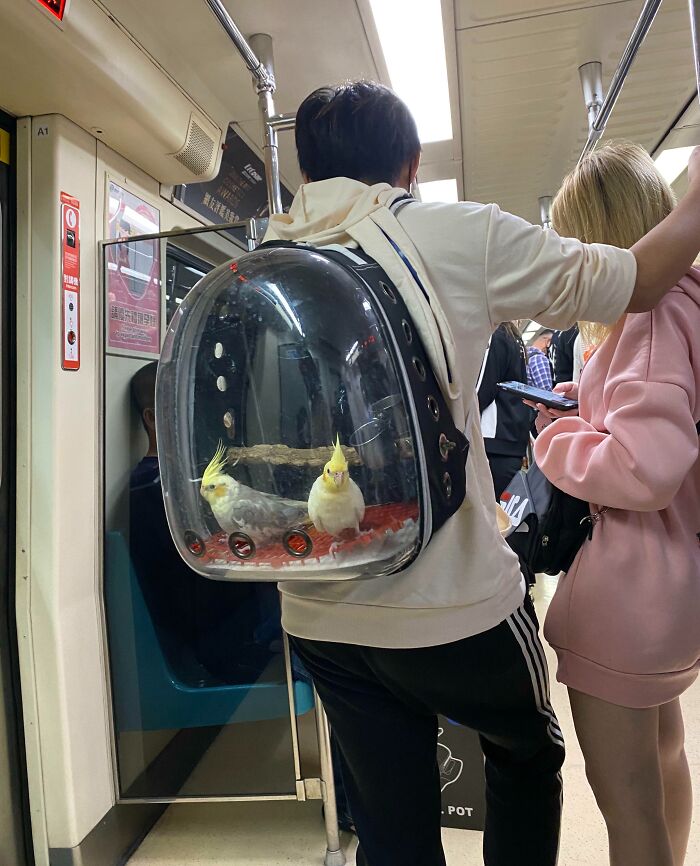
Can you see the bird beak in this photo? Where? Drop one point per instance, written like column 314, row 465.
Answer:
column 338, row 477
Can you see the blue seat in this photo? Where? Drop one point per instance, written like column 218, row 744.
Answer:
column 148, row 694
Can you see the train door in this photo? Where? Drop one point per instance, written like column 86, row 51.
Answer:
column 14, row 834
column 200, row 687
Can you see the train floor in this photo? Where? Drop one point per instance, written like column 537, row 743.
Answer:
column 291, row 834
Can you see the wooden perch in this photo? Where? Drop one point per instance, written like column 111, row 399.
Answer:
column 282, row 455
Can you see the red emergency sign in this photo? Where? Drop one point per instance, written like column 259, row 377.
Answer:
column 56, row 7
column 70, row 282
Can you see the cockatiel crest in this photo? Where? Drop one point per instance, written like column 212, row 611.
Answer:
column 212, row 483
column 336, row 503
column 335, row 472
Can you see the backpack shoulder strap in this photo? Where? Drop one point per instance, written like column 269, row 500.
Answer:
column 400, row 203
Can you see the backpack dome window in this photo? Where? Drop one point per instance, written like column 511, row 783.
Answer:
column 293, row 442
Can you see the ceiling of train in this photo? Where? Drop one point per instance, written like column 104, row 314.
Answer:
column 518, row 112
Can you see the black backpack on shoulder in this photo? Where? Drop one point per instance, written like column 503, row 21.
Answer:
column 550, row 525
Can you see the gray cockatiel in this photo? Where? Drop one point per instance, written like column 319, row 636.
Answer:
column 238, row 508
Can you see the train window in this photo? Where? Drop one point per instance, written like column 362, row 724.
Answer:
column 182, row 272
column 199, row 682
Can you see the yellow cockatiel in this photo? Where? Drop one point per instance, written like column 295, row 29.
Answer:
column 336, row 502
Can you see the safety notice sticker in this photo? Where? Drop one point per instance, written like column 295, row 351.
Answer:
column 70, row 281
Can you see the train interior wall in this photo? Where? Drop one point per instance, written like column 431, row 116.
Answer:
column 59, row 602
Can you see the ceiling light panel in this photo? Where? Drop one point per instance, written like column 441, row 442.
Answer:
column 413, row 43
column 672, row 162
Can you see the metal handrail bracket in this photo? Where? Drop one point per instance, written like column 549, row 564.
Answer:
column 641, row 28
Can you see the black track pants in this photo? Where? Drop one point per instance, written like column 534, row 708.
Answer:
column 503, row 468
column 383, row 706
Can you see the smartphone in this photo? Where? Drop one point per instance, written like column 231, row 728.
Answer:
column 539, row 395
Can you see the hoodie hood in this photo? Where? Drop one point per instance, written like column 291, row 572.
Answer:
column 324, row 211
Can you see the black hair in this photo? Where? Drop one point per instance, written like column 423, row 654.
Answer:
column 359, row 129
column 143, row 389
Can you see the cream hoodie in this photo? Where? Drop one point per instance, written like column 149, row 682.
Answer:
column 479, row 267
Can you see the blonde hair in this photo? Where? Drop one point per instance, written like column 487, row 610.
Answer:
column 615, row 196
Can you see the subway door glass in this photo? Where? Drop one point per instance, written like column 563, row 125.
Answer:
column 198, row 680
column 15, row 843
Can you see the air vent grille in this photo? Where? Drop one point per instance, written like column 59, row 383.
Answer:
column 199, row 149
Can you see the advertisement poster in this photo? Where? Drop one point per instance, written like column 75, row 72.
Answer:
column 133, row 274
column 70, row 281
column 238, row 192
column 461, row 764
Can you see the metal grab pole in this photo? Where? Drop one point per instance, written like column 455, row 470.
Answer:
column 335, row 855
column 283, row 121
column 263, row 77
column 262, row 44
column 271, row 150
column 545, row 203
column 641, row 28
column 695, row 33
column 260, row 64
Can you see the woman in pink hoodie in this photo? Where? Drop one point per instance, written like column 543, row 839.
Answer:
column 625, row 620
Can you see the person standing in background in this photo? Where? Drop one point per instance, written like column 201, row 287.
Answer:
column 210, row 623
column 540, row 373
column 505, row 419
column 539, row 367
column 232, row 628
column 561, row 354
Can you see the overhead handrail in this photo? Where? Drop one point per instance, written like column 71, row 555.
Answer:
column 260, row 65
column 264, row 79
column 641, row 28
column 695, row 33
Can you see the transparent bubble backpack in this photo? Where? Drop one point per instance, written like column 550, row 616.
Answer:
column 301, row 431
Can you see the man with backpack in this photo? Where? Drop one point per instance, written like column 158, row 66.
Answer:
column 454, row 633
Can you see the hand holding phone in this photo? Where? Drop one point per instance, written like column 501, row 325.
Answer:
column 550, row 399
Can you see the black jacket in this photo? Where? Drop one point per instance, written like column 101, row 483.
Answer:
column 561, row 354
column 505, row 419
